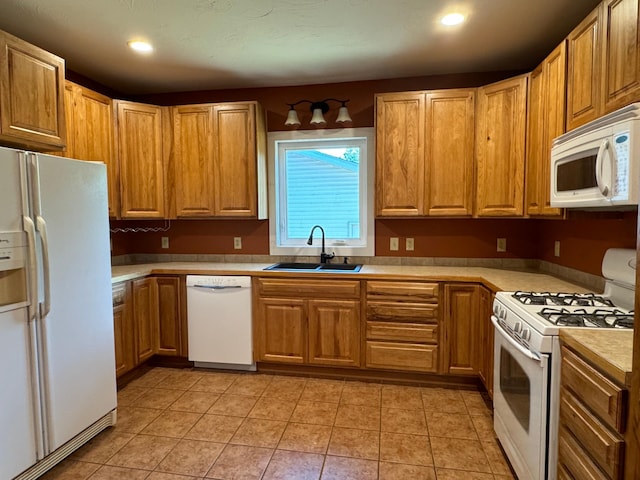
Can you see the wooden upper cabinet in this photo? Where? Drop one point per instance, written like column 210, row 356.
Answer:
column 218, row 163
column 500, row 147
column 400, row 135
column 193, row 162
column 32, row 113
column 90, row 134
column 140, row 155
column 449, row 152
column 620, row 53
column 235, row 171
column 546, row 119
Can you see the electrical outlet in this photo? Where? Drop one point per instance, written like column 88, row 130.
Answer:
column 165, row 242
column 556, row 248
column 237, row 243
column 409, row 245
column 502, row 245
column 394, row 244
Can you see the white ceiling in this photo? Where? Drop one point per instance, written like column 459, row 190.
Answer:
column 215, row 44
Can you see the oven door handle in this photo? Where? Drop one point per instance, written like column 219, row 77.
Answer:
column 513, row 343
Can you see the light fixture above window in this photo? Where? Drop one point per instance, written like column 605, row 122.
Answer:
column 452, row 19
column 318, row 110
column 140, row 46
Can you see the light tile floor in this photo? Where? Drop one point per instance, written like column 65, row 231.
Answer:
column 188, row 424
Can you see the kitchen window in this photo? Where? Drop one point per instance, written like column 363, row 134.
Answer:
column 321, row 177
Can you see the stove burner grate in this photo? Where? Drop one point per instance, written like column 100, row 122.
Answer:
column 563, row 299
column 581, row 318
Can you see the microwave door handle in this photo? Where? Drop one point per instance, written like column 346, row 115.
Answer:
column 604, row 146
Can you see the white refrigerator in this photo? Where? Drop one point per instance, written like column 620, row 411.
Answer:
column 57, row 380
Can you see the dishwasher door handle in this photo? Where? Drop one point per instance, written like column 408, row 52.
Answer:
column 217, row 287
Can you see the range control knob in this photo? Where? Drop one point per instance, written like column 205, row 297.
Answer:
column 517, row 327
column 526, row 334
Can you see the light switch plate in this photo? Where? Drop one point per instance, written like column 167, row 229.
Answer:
column 394, row 244
column 556, row 248
column 237, row 243
column 502, row 245
column 409, row 245
column 165, row 242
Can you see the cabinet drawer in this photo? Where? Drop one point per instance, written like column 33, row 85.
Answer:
column 403, row 332
column 577, row 463
column 604, row 446
column 400, row 311
column 408, row 291
column 317, row 288
column 119, row 293
column 402, row 356
column 598, row 393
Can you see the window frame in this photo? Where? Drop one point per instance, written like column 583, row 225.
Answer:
column 274, row 140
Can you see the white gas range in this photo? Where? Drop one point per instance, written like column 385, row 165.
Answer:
column 527, row 359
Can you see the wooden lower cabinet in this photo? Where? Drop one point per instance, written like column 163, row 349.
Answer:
column 402, row 325
column 485, row 352
column 123, row 329
column 460, row 329
column 592, row 421
column 172, row 333
column 145, row 317
column 299, row 321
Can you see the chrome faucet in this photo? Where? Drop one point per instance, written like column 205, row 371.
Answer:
column 324, row 256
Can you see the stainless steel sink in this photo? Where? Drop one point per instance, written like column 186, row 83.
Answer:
column 315, row 267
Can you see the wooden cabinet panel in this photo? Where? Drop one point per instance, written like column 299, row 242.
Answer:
column 316, row 288
column 400, row 134
column 500, row 147
column 402, row 356
column 90, row 134
column 402, row 332
column 124, row 334
column 596, row 391
column 32, row 111
column 574, row 459
column 449, row 152
column 604, row 446
column 139, row 139
column 620, row 53
column 402, row 312
column 546, row 119
column 485, row 362
column 334, row 332
column 235, row 174
column 145, row 317
column 170, row 332
column 193, row 160
column 405, row 291
column 460, row 327
column 281, row 331
column 583, row 75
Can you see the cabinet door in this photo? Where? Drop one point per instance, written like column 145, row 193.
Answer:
column 90, row 135
column 485, row 357
column 546, row 120
column 124, row 335
column 235, row 170
column 334, row 332
column 461, row 331
column 193, row 160
column 145, row 310
column 170, row 302
column 583, row 76
column 620, row 53
column 139, row 133
column 400, row 132
column 449, row 152
column 31, row 96
column 281, row 330
column 501, row 120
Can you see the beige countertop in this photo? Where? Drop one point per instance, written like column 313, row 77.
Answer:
column 496, row 279
column 610, row 350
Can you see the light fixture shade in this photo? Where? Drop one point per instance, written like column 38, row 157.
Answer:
column 317, row 118
column 292, row 118
column 343, row 115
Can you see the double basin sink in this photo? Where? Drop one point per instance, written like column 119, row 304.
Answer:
column 315, row 267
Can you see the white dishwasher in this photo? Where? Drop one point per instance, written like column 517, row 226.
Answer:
column 219, row 321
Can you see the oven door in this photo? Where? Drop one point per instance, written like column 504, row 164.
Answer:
column 521, row 404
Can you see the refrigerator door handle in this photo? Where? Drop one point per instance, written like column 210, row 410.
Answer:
column 30, row 230
column 42, row 228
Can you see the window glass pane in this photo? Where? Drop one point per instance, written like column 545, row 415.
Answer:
column 323, row 188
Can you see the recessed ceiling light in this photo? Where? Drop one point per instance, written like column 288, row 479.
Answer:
column 140, row 46
column 452, row 19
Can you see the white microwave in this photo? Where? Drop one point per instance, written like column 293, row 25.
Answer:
column 596, row 165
